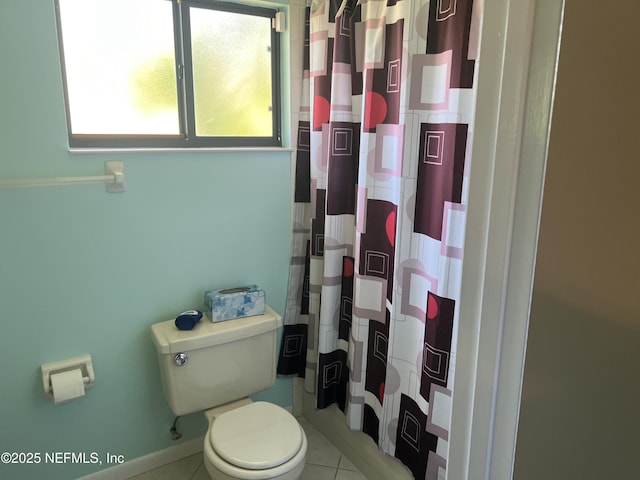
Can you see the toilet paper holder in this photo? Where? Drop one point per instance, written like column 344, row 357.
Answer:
column 82, row 362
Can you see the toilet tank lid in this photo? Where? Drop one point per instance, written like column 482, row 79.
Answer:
column 169, row 340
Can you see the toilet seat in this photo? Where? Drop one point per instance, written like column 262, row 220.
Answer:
column 256, row 436
column 219, row 467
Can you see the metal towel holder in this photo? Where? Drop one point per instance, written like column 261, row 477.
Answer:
column 113, row 177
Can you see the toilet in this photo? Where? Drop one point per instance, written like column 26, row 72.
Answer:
column 214, row 368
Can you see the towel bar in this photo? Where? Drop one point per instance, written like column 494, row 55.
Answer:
column 114, row 178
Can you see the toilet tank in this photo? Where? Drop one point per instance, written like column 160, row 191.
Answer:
column 216, row 363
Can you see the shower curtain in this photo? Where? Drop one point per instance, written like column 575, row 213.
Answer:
column 383, row 157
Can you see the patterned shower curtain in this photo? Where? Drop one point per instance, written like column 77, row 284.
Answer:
column 381, row 184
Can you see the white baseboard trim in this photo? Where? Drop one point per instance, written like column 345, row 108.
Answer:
column 358, row 447
column 148, row 462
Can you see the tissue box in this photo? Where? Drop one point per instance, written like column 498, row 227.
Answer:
column 232, row 303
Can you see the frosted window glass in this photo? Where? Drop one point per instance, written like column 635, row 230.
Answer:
column 120, row 66
column 231, row 73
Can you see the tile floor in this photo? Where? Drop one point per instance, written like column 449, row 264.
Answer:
column 324, row 462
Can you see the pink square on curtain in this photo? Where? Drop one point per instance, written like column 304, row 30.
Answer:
column 454, row 220
column 415, row 285
column 430, row 80
column 370, row 297
column 389, row 149
column 319, row 54
column 361, row 209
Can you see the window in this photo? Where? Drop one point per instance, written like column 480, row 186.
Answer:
column 162, row 73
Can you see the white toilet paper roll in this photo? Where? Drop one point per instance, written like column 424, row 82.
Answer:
column 67, row 385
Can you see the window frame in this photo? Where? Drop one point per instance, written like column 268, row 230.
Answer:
column 187, row 137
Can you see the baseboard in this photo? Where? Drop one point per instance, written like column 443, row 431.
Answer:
column 358, row 447
column 148, row 462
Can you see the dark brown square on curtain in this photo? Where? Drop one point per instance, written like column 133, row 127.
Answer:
column 377, row 243
column 317, row 225
column 449, row 29
column 303, row 166
column 413, row 442
column 342, row 176
column 438, row 331
column 440, row 174
column 293, row 350
column 377, row 349
column 333, row 375
column 346, row 298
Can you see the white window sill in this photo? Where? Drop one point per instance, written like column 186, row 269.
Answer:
column 84, row 151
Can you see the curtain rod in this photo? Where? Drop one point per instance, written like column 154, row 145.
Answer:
column 114, row 178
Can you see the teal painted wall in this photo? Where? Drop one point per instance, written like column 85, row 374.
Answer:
column 85, row 271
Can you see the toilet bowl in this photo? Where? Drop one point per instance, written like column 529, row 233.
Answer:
column 254, row 441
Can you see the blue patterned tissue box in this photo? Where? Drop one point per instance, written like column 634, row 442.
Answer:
column 233, row 303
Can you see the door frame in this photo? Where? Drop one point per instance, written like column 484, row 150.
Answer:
column 519, row 48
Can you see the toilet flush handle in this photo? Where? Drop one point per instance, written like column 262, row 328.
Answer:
column 180, row 359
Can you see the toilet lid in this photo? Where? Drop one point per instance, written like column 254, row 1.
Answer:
column 256, row 436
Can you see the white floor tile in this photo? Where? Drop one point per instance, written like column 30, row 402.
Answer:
column 319, row 450
column 201, row 474
column 349, row 475
column 345, row 464
column 183, row 469
column 318, row 472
